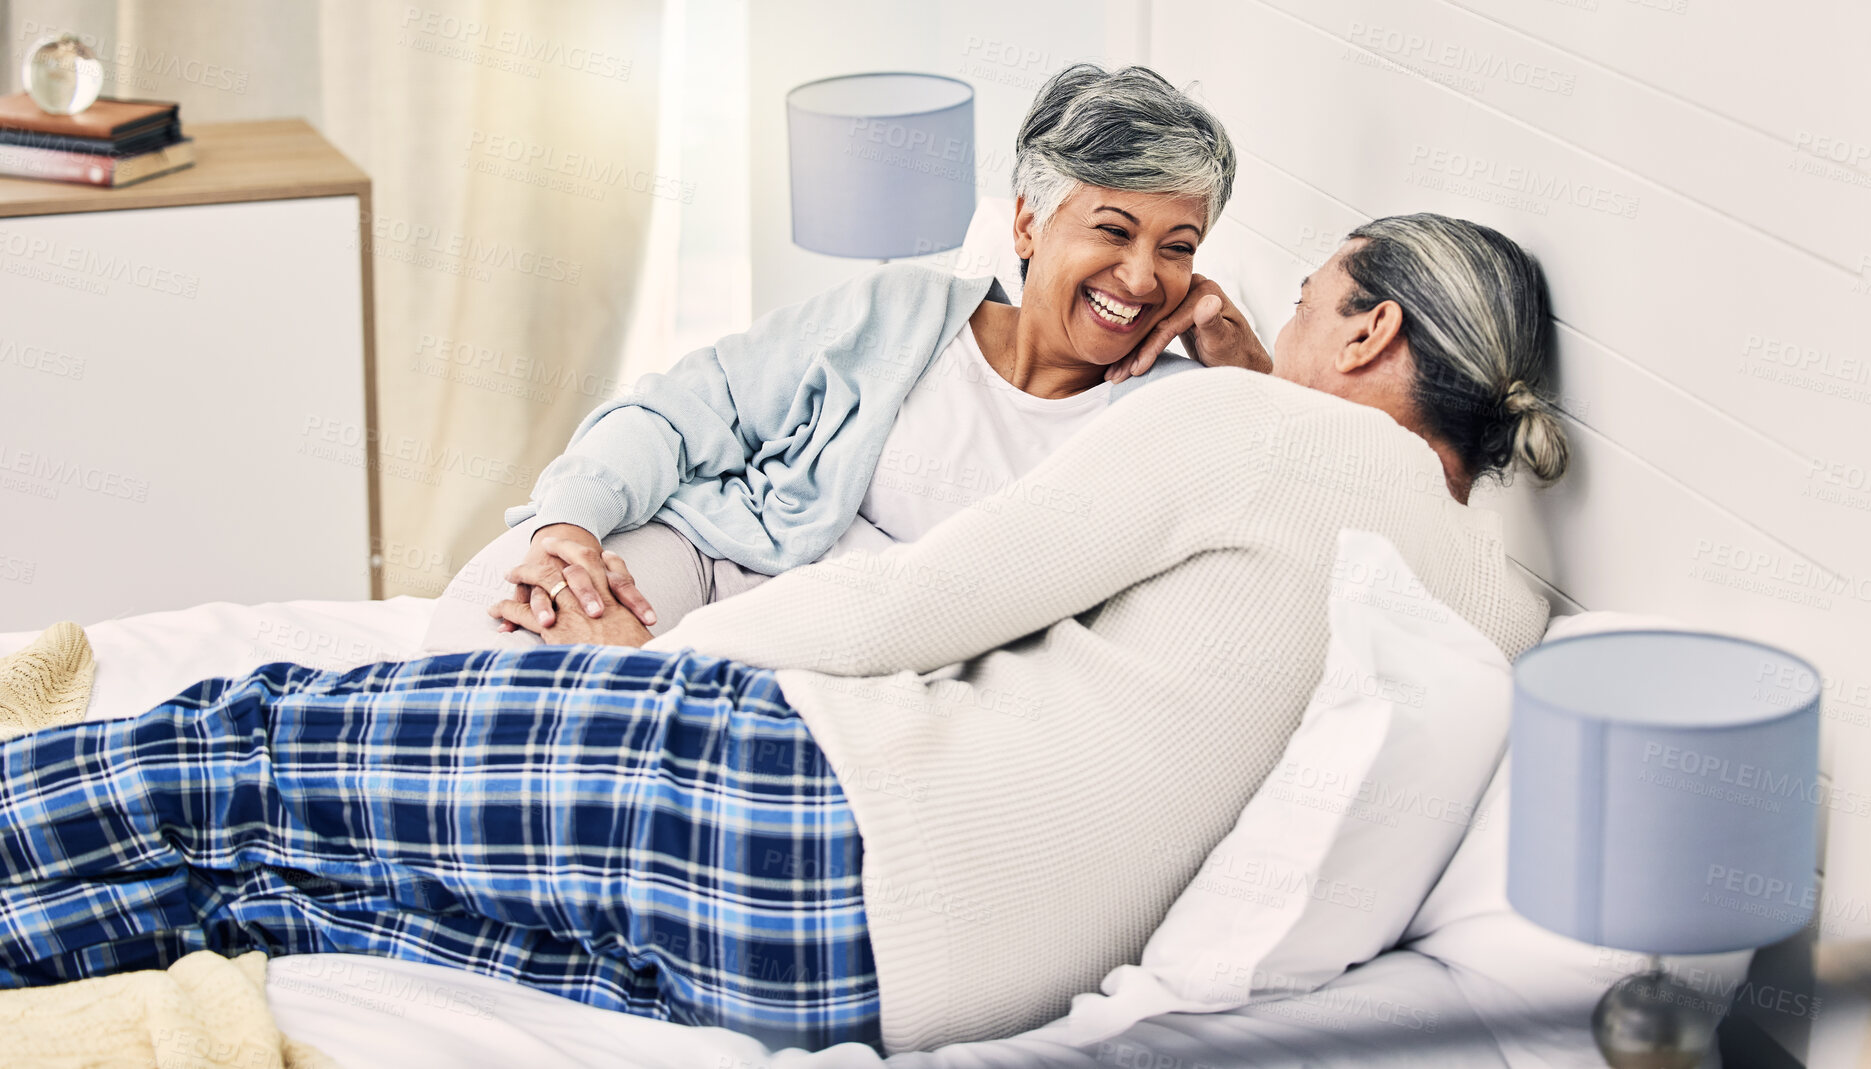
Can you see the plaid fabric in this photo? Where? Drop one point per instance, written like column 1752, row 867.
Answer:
column 648, row 832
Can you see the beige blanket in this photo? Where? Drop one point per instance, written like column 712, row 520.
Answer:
column 203, row 1012
column 48, row 683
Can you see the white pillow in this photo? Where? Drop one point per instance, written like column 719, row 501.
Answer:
column 1335, row 852
column 988, row 247
column 1532, row 989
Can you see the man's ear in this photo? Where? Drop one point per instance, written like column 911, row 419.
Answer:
column 1378, row 331
column 1024, row 232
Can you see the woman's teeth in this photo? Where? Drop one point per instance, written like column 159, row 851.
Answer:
column 1111, row 311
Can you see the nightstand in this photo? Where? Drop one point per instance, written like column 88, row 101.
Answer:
column 187, row 398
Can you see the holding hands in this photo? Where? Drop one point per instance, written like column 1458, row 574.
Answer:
column 566, row 565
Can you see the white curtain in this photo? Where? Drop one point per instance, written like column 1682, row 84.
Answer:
column 513, row 154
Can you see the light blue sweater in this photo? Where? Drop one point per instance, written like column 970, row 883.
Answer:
column 760, row 447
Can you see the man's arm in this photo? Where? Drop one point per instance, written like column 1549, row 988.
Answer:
column 1149, row 483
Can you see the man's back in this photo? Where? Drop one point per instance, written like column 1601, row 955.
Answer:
column 1065, row 696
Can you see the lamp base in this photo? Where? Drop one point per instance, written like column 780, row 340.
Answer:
column 1652, row 1020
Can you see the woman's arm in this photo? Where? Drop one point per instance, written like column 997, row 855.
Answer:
column 622, row 464
column 1152, row 481
column 748, row 398
column 800, row 393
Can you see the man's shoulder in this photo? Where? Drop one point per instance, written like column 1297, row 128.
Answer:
column 1257, row 388
column 1276, row 413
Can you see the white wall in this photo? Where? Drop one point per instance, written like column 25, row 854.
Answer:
column 1696, row 176
column 1004, row 50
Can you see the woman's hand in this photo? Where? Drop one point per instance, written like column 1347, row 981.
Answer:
column 570, row 628
column 566, row 552
column 1213, row 332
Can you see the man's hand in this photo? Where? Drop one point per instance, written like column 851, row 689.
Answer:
column 1213, row 332
column 573, row 626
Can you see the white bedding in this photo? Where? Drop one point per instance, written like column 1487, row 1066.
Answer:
column 1403, row 1009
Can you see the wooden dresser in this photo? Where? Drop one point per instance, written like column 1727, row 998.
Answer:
column 187, row 399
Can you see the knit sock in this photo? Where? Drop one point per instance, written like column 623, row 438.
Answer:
column 48, row 683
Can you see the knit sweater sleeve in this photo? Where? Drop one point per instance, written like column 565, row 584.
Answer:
column 1121, row 500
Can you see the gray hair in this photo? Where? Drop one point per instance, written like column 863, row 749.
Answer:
column 1479, row 323
column 1124, row 129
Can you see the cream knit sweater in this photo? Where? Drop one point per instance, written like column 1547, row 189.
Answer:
column 1048, row 709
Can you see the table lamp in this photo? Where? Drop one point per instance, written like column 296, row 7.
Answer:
column 882, row 164
column 1665, row 801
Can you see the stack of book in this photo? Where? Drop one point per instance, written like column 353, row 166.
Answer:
column 110, row 143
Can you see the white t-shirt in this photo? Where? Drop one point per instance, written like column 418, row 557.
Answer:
column 962, row 434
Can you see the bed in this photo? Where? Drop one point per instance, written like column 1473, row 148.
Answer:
column 1472, row 985
column 1475, row 986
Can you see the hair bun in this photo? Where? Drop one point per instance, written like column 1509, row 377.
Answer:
column 1539, row 439
column 1520, row 398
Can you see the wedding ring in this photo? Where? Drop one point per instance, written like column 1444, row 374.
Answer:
column 553, row 594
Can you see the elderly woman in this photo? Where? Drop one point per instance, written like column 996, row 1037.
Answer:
column 867, row 415
column 897, row 798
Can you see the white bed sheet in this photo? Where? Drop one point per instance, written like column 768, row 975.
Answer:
column 1403, row 1009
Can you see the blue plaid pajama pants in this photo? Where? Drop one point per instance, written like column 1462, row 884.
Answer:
column 651, row 832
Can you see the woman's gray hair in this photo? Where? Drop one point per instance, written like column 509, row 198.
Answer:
column 1479, row 323
column 1124, row 129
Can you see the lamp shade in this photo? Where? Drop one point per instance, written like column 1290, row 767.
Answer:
column 1665, row 791
column 882, row 165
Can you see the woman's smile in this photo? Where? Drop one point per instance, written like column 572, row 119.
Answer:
column 1109, row 312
